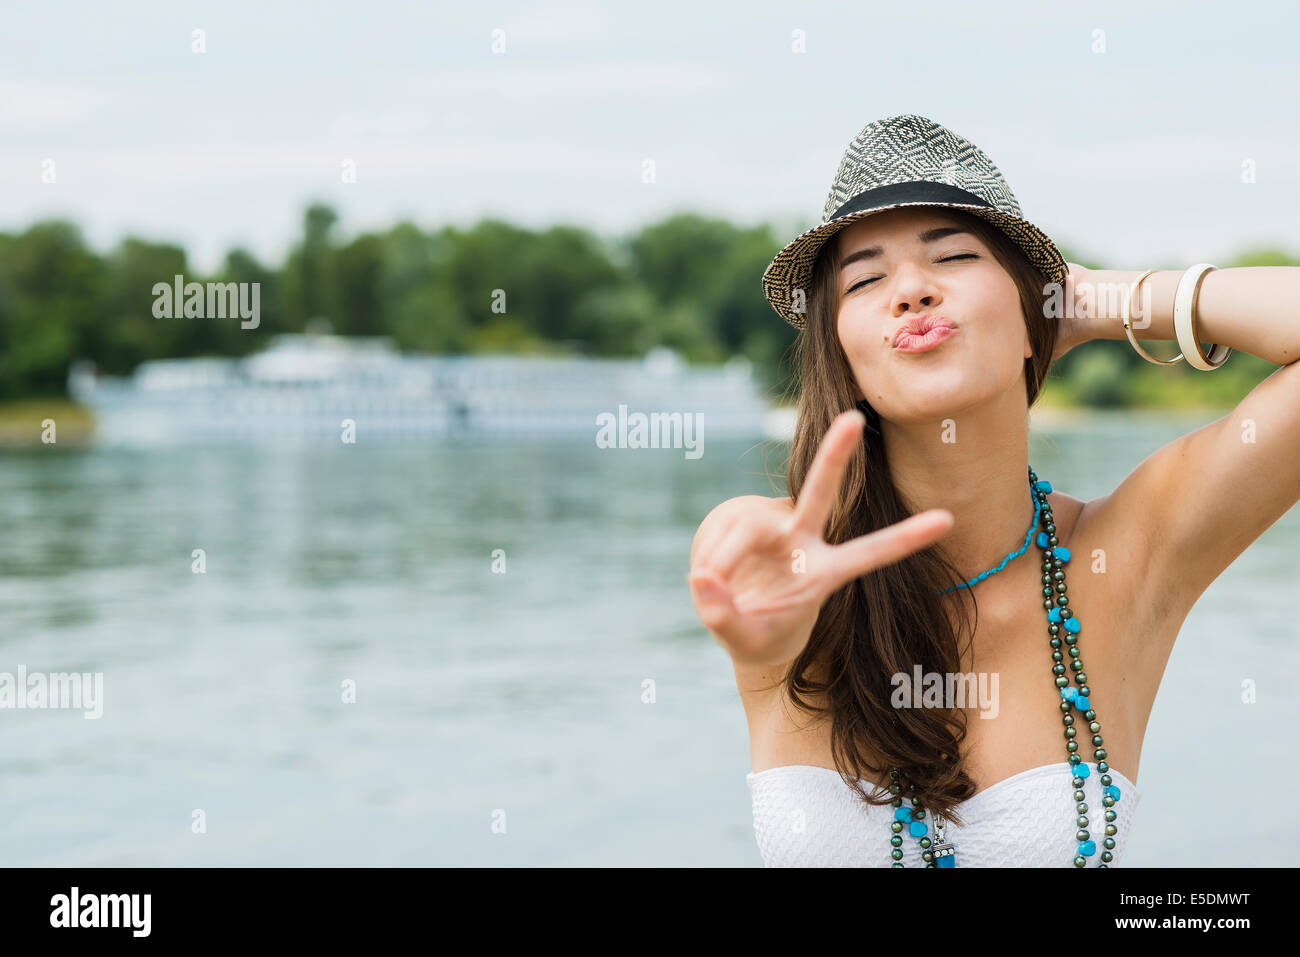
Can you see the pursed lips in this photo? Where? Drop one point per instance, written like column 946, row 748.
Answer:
column 920, row 325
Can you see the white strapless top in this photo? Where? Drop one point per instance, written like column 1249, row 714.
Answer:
column 806, row 816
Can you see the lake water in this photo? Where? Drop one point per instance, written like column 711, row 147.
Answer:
column 485, row 698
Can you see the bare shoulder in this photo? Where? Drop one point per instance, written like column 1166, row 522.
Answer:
column 1100, row 540
column 1117, row 553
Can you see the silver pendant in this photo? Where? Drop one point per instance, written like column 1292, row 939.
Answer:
column 945, row 855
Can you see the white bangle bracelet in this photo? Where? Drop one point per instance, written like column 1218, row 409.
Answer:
column 1185, row 319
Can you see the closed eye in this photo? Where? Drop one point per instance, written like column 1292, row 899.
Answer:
column 863, row 282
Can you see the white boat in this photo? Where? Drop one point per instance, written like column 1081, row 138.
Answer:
column 311, row 386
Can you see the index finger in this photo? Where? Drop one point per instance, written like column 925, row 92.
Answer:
column 813, row 510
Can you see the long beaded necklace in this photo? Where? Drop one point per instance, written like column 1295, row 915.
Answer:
column 940, row 853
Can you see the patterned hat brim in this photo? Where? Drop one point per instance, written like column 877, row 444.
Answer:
column 792, row 267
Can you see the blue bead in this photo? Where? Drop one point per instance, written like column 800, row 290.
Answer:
column 903, row 814
column 917, row 828
column 1113, row 792
column 1072, row 625
column 1041, row 539
column 1069, row 694
column 1088, row 848
column 1054, row 615
column 1062, row 553
column 1082, row 703
column 1081, row 770
column 949, row 860
column 1044, row 485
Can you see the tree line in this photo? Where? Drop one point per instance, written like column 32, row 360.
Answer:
column 688, row 282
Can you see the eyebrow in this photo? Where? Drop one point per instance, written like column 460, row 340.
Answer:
column 929, row 236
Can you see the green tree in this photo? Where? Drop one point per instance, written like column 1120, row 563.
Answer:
column 52, row 289
column 310, row 280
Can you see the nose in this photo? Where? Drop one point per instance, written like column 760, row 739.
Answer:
column 914, row 291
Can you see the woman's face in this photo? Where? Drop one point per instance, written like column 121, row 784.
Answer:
column 900, row 265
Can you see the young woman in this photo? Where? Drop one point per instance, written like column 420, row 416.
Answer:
column 917, row 540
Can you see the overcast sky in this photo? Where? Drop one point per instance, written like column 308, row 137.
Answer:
column 1131, row 155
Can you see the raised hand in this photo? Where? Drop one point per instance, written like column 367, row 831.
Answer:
column 761, row 570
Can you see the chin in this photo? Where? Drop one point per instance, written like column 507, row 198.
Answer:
column 929, row 398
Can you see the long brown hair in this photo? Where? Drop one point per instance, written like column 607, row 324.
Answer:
column 892, row 619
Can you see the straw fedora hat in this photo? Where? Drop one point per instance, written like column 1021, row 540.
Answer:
column 906, row 160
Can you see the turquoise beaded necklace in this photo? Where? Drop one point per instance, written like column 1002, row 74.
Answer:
column 1060, row 619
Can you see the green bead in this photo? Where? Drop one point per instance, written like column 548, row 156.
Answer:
column 896, row 840
column 1111, row 815
column 1072, row 746
column 1094, row 727
column 1098, row 739
column 927, row 856
column 1055, row 642
column 1107, row 780
column 1108, row 801
column 895, row 864
column 1061, row 682
column 1081, row 835
column 1071, row 732
column 1082, row 807
column 924, row 842
column 1057, row 656
column 1081, row 820
column 896, row 854
column 1099, row 754
column 897, row 826
column 1107, row 856
column 1078, row 795
column 1112, row 830
column 1080, row 861
column 1067, row 718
